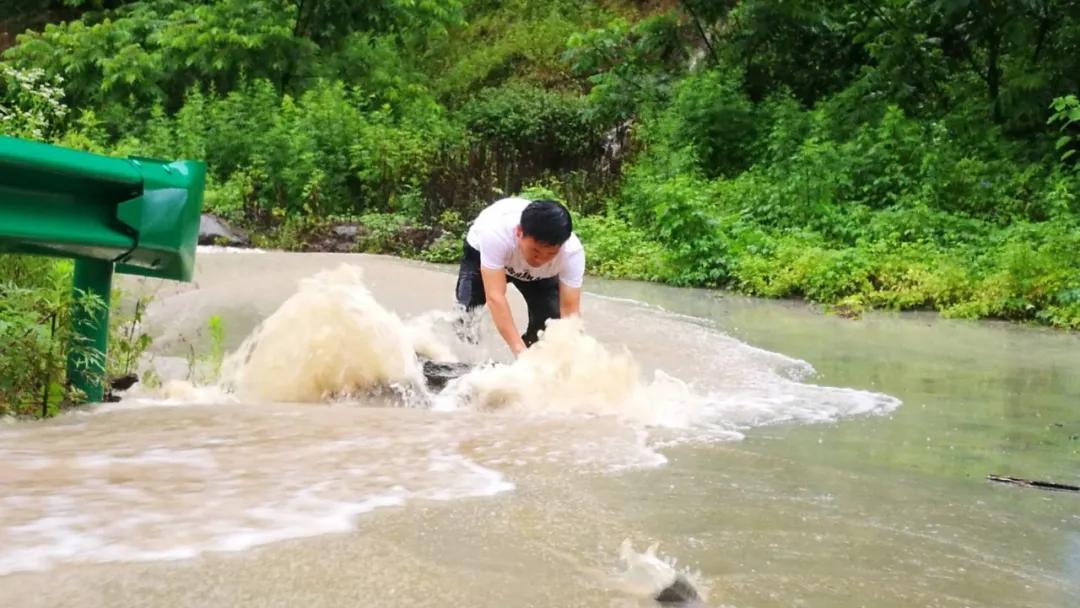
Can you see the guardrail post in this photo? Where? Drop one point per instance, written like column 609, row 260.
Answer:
column 90, row 325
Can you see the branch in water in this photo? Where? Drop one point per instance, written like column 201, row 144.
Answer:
column 1028, row 483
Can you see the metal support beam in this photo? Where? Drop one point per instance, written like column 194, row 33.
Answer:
column 90, row 326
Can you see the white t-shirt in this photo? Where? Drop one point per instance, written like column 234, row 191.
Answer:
column 492, row 234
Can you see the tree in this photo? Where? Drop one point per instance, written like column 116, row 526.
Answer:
column 1022, row 52
column 804, row 46
column 628, row 66
column 151, row 52
column 327, row 22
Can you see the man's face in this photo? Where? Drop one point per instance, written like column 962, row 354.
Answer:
column 535, row 252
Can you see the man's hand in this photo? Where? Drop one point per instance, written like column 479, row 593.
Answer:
column 495, row 292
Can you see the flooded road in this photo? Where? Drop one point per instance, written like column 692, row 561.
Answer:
column 779, row 457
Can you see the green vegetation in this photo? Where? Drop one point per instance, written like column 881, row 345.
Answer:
column 855, row 153
column 36, row 305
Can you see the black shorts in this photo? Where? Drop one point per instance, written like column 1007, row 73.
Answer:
column 541, row 296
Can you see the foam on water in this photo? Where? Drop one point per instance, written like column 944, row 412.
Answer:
column 569, row 371
column 247, row 477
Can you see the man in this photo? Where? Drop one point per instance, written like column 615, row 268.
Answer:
column 532, row 246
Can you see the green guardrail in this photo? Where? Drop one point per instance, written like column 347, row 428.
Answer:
column 132, row 215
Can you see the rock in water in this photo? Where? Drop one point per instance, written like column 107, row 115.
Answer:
column 678, row 593
column 123, row 383
column 439, row 374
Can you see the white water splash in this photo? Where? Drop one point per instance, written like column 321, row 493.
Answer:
column 647, row 573
column 330, row 338
column 569, row 371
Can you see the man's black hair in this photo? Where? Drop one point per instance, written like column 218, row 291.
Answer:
column 546, row 221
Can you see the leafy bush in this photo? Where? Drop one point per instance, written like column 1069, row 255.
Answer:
column 614, row 249
column 31, row 104
column 517, row 41
column 36, row 310
column 321, row 154
column 711, row 116
column 630, row 67
column 530, row 120
column 446, row 249
column 145, row 53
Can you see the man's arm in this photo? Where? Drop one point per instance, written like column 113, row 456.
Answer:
column 495, row 292
column 569, row 301
column 570, row 281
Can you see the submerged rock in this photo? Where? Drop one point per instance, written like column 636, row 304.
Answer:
column 123, row 383
column 679, row 593
column 438, row 374
column 116, row 385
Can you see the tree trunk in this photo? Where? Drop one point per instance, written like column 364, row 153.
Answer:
column 993, row 78
column 702, row 33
